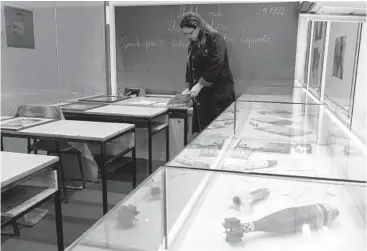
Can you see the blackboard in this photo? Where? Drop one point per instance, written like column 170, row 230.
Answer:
column 152, row 51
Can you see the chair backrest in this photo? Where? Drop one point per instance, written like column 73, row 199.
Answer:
column 51, row 112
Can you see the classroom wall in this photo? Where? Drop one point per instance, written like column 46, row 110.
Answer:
column 68, row 60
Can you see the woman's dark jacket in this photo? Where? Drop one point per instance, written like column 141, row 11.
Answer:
column 210, row 62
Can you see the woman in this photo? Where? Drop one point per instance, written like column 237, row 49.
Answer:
column 207, row 73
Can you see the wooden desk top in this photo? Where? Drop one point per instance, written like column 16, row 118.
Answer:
column 15, row 166
column 128, row 111
column 77, row 130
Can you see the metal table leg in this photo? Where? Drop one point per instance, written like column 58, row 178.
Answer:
column 185, row 129
column 133, row 155
column 102, row 166
column 150, row 147
column 167, row 143
column 59, row 227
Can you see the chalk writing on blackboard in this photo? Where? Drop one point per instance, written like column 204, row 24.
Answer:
column 218, row 26
column 265, row 39
column 187, row 8
column 173, row 26
column 216, row 13
column 178, row 44
column 147, row 44
column 270, row 11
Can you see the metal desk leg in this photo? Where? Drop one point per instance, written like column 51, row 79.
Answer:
column 2, row 143
column 133, row 155
column 185, row 129
column 150, row 147
column 61, row 174
column 167, row 143
column 59, row 227
column 102, row 165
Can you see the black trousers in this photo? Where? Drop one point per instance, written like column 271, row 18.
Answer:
column 205, row 112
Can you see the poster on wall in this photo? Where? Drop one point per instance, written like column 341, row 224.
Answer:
column 319, row 28
column 317, row 54
column 344, row 43
column 19, row 27
column 338, row 62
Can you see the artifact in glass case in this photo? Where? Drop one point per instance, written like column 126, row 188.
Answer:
column 283, row 131
column 253, row 198
column 127, row 216
column 286, row 221
column 282, row 122
column 154, row 192
column 209, row 146
column 255, row 164
column 280, row 113
column 188, row 162
column 218, row 124
column 245, row 148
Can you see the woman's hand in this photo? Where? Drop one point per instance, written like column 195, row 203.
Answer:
column 196, row 90
column 186, row 91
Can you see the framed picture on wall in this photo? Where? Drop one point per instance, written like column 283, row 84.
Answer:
column 317, row 55
column 319, row 30
column 338, row 61
column 344, row 43
column 19, row 28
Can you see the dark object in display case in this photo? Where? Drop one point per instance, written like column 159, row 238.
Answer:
column 286, row 221
column 126, row 216
column 254, row 197
column 155, row 191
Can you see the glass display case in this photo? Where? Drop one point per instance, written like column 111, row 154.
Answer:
column 277, row 121
column 229, row 211
column 323, row 150
column 297, row 96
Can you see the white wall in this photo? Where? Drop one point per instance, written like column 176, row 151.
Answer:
column 28, row 69
column 359, row 120
column 31, row 76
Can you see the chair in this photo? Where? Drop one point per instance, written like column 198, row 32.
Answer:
column 51, row 146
